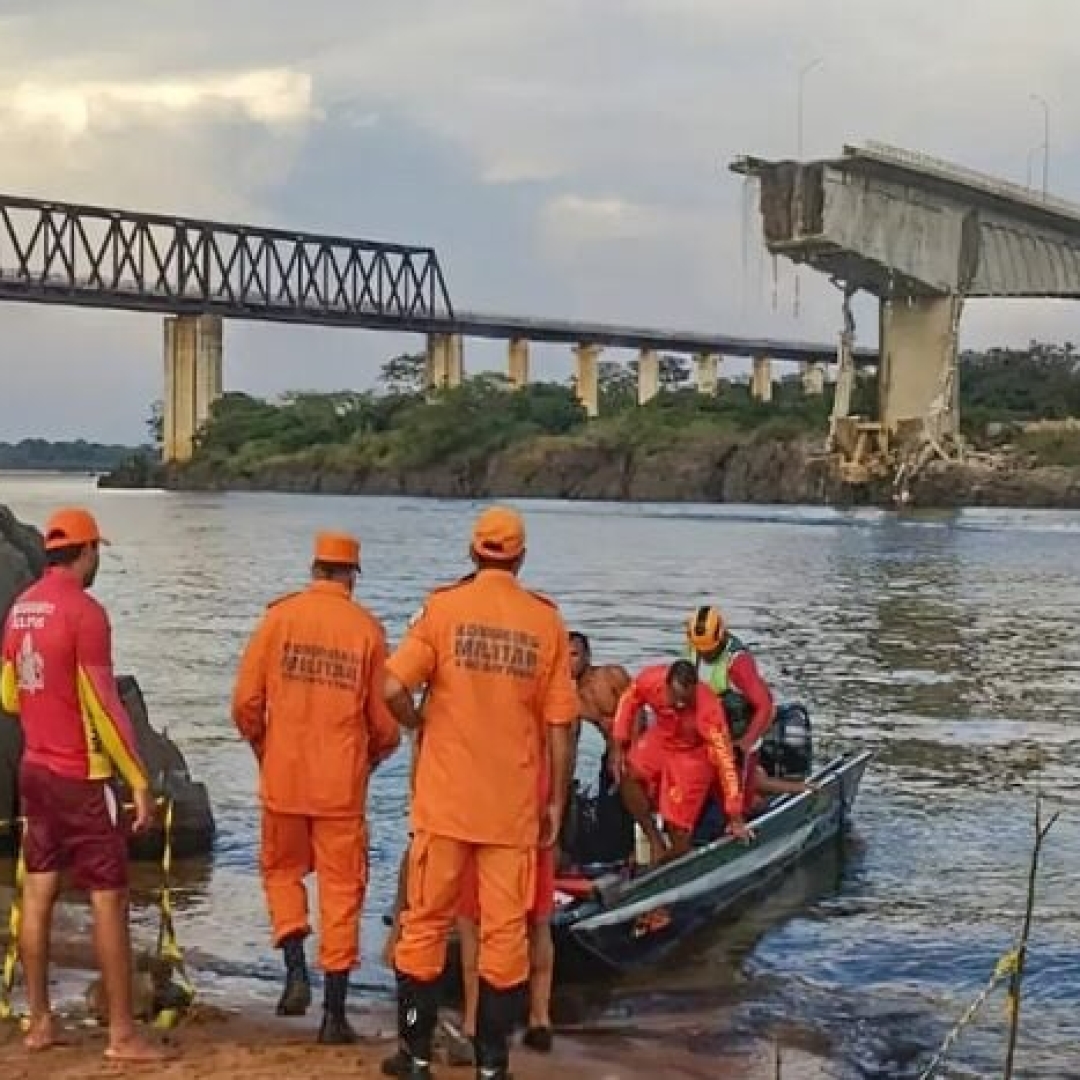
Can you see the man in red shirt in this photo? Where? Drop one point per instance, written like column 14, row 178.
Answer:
column 56, row 674
column 728, row 668
column 676, row 762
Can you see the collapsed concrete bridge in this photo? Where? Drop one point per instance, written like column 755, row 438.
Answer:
column 922, row 236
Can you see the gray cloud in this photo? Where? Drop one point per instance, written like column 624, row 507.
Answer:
column 565, row 157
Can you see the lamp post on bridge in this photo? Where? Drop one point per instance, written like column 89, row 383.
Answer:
column 1046, row 141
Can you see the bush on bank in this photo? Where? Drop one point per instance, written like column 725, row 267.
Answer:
column 400, row 427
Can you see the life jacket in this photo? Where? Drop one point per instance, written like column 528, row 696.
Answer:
column 716, row 675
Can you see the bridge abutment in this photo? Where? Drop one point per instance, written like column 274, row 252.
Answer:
column 587, row 377
column 192, row 381
column 445, row 361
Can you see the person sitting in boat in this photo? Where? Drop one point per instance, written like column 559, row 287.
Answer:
column 727, row 667
column 674, row 764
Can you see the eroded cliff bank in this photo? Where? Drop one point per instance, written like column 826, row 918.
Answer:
column 717, row 470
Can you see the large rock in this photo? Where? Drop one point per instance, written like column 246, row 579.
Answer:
column 22, row 560
column 22, row 557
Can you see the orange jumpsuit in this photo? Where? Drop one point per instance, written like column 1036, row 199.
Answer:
column 309, row 699
column 495, row 659
column 684, row 754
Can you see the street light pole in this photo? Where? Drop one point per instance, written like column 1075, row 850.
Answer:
column 1046, row 141
column 803, row 72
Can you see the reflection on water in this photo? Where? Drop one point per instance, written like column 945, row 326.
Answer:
column 948, row 644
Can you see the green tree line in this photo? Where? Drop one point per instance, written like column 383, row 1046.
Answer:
column 400, row 424
column 68, row 456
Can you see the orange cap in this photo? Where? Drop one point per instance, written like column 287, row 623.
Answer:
column 499, row 533
column 71, row 527
column 338, row 548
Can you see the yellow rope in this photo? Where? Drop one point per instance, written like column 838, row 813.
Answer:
column 1004, row 969
column 11, row 956
column 168, row 948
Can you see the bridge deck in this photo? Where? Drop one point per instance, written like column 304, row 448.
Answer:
column 89, row 256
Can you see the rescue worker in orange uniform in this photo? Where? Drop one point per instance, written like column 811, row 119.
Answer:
column 677, row 761
column 309, row 700
column 56, row 675
column 495, row 661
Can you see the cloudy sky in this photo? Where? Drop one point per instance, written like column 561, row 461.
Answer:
column 565, row 157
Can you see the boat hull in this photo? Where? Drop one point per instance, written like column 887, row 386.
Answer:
column 639, row 922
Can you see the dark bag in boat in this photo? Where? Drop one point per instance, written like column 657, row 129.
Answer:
column 787, row 750
column 598, row 828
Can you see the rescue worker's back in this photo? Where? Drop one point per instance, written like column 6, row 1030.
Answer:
column 309, row 700
column 501, row 650
column 309, row 695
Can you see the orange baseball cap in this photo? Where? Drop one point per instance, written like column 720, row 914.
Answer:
column 499, row 533
column 338, row 548
column 71, row 527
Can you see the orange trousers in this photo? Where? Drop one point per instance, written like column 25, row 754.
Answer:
column 437, row 868
column 337, row 850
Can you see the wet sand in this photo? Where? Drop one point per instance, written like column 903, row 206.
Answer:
column 216, row 1044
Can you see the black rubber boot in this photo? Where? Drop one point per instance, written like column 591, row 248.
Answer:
column 497, row 1015
column 296, row 996
column 335, row 1030
column 418, row 1014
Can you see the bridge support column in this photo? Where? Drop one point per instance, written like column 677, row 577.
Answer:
column 519, row 363
column 813, row 378
column 648, row 375
column 192, row 381
column 445, row 361
column 761, row 379
column 707, row 367
column 587, row 377
column 917, row 377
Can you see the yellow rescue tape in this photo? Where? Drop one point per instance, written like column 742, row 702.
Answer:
column 168, row 948
column 11, row 955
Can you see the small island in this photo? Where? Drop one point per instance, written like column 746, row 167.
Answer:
column 484, row 439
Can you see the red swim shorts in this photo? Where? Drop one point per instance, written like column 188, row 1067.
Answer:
column 73, row 825
column 543, row 898
column 677, row 781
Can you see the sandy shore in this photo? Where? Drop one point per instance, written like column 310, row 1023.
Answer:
column 216, row 1044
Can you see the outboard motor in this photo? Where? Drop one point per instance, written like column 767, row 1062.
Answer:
column 787, row 750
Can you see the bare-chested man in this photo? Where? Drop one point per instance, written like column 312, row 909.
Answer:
column 599, row 687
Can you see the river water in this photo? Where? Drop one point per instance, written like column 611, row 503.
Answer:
column 949, row 644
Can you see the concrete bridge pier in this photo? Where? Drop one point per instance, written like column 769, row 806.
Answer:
column 192, row 381
column 648, row 375
column 518, row 363
column 761, row 379
column 587, row 377
column 445, row 361
column 813, row 378
column 917, row 378
column 707, row 370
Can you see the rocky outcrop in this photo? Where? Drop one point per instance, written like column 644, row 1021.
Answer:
column 719, row 468
column 21, row 557
column 21, row 561
column 1017, row 484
